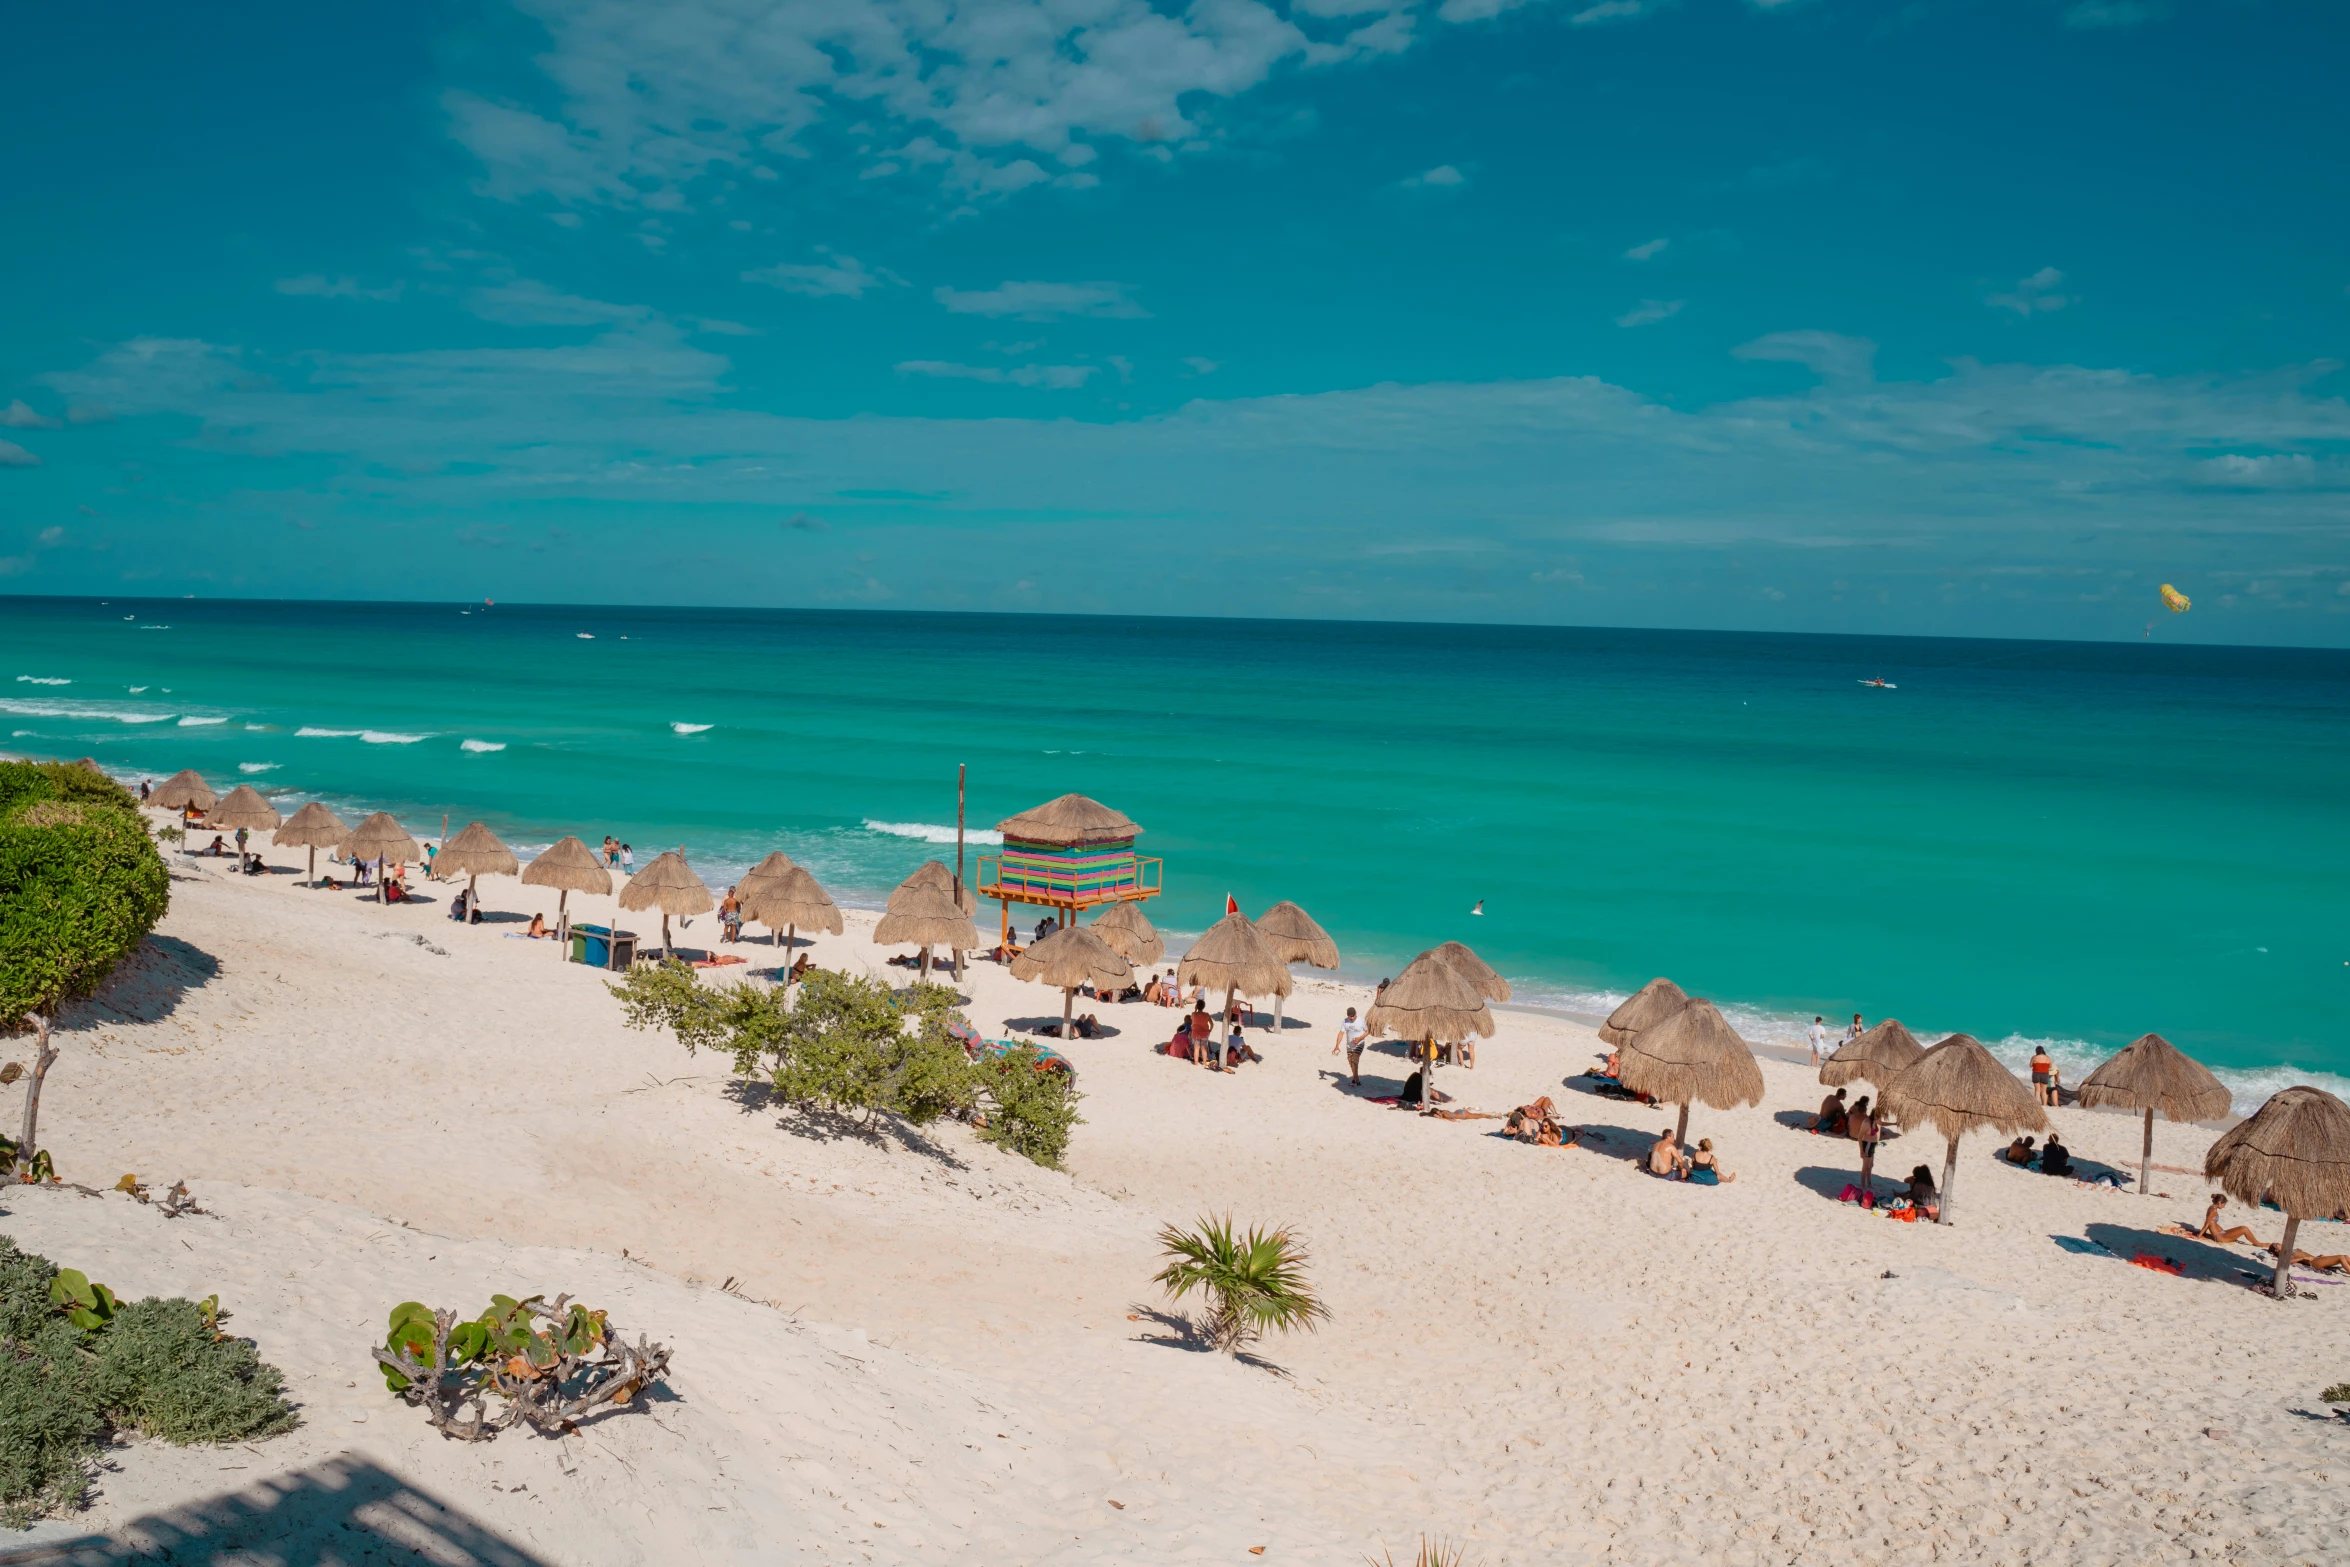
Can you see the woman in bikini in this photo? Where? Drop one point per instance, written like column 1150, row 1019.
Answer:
column 2231, row 1235
column 1704, row 1169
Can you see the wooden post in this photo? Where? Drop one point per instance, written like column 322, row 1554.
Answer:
column 563, row 923
column 1949, row 1174
column 2282, row 1288
column 2146, row 1157
column 1681, row 1133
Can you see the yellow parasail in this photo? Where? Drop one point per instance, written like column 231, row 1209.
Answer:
column 2178, row 603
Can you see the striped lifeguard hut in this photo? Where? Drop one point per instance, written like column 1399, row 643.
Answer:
column 1067, row 855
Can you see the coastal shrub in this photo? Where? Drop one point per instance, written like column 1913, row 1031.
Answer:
column 80, row 885
column 1252, row 1283
column 2339, row 1393
column 552, row 1365
column 855, row 1048
column 74, row 1365
column 1024, row 1110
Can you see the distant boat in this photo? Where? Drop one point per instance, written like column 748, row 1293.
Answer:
column 1882, row 684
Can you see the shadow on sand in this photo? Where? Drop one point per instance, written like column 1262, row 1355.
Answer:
column 147, row 986
column 342, row 1511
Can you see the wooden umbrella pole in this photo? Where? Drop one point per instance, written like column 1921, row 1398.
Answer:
column 2146, row 1157
column 1681, row 1133
column 1949, row 1174
column 665, row 952
column 563, row 921
column 1068, row 1004
column 2284, row 1281
column 314, row 865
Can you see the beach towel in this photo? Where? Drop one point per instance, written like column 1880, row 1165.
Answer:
column 2153, row 1263
column 718, row 962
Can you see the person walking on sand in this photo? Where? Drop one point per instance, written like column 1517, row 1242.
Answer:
column 2044, row 1075
column 1351, row 1035
column 1819, row 1039
column 1861, row 1126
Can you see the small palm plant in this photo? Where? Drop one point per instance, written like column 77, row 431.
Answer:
column 1252, row 1282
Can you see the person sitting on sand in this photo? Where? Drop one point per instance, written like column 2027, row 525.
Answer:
column 2226, row 1235
column 2055, row 1158
column 1154, row 992
column 2021, row 1152
column 1413, row 1086
column 538, row 928
column 800, row 965
column 218, row 846
column 1704, row 1169
column 1615, row 1066
column 1830, row 1121
column 1237, row 1050
column 1087, row 1026
column 1665, row 1157
column 1922, row 1195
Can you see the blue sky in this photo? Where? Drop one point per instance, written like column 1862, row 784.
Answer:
column 1976, row 318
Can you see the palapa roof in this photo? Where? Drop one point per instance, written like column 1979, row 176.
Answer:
column 1073, row 956
column 1129, row 933
column 243, row 806
column 668, row 884
column 2149, row 1073
column 1961, row 1087
column 1232, row 955
column 1480, row 973
column 925, row 917
column 569, row 865
column 1067, row 822
column 1431, row 999
column 379, row 838
column 1646, row 1007
column 311, row 827
column 476, row 851
column 1293, row 935
column 1692, row 1057
column 1878, row 1056
column 931, row 873
column 792, row 899
column 183, row 789
column 773, row 868
column 2293, row 1151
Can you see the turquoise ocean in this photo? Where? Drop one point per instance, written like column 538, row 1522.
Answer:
column 2063, row 842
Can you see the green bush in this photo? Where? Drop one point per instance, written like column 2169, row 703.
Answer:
column 159, row 1366
column 80, row 884
column 1024, row 1110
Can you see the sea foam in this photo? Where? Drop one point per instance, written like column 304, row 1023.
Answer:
column 191, row 721
column 42, row 680
column 386, row 737
column 691, row 729
column 930, row 833
column 53, row 710
column 255, row 767
column 310, row 732
column 481, row 745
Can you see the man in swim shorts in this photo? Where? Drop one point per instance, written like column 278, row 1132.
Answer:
column 1351, row 1036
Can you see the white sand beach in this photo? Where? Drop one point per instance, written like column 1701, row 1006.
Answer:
column 931, row 1351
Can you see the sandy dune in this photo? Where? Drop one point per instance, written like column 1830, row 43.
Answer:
column 933, row 1352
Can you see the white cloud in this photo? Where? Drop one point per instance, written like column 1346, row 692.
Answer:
column 527, row 303
column 1828, row 355
column 1648, row 251
column 1650, row 311
column 838, row 276
column 1043, row 301
column 2269, row 471
column 15, row 456
column 1056, row 378
column 17, row 416
column 1443, row 176
column 2035, row 295
column 315, row 286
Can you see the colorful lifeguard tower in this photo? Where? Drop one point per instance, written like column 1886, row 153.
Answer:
column 1067, row 855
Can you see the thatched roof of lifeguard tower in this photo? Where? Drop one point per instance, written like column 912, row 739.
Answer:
column 1069, row 822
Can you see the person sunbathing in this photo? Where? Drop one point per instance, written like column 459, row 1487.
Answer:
column 538, row 927
column 1830, row 1121
column 1088, row 1026
column 2229, row 1235
column 2331, row 1262
column 2021, row 1152
column 1665, row 1157
column 1523, row 1122
column 1704, row 1169
column 1615, row 1064
column 1922, row 1195
column 1412, row 1087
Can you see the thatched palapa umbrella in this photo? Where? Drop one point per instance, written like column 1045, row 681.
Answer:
column 2294, row 1151
column 1959, row 1086
column 313, row 827
column 930, row 873
column 770, row 870
column 2150, row 1074
column 1129, row 933
column 1479, row 973
column 568, row 866
column 474, row 853
column 1877, row 1056
column 668, row 884
column 1068, row 958
column 1692, row 1056
column 925, row 917
column 184, row 791
column 1233, row 956
column 244, row 810
column 784, row 903
column 1646, row 1007
column 383, row 840
column 1292, row 934
column 1430, row 1003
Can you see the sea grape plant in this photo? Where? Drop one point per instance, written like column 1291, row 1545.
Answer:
column 552, row 1365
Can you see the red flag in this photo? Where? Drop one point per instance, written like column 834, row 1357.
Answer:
column 1231, row 904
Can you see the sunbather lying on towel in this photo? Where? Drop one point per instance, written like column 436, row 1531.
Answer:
column 2331, row 1262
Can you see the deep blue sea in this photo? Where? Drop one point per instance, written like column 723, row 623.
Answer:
column 2069, row 842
